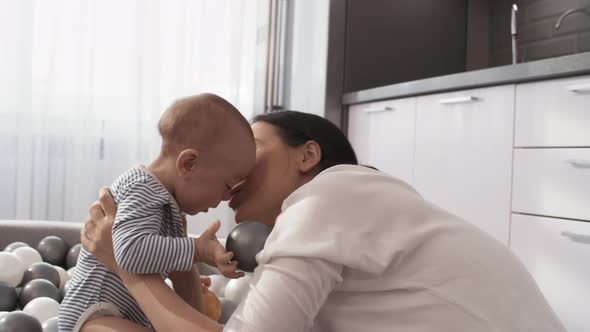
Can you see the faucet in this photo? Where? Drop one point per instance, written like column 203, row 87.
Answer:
column 514, row 33
column 568, row 12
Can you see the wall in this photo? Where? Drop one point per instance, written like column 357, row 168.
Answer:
column 306, row 56
column 537, row 37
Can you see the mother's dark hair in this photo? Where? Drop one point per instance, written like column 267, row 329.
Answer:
column 296, row 128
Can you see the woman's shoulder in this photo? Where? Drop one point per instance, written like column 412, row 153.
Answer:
column 352, row 183
column 344, row 214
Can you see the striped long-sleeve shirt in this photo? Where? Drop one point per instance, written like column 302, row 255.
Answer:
column 148, row 238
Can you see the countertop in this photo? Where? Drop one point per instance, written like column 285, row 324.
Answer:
column 571, row 65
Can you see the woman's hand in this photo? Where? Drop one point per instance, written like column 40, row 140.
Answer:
column 96, row 236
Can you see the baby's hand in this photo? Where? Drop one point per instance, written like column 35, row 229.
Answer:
column 205, row 283
column 226, row 266
column 210, row 251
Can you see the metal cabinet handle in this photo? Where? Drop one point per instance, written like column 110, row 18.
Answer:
column 579, row 88
column 381, row 110
column 579, row 238
column 458, row 100
column 579, row 163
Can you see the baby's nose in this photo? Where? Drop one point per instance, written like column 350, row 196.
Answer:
column 226, row 195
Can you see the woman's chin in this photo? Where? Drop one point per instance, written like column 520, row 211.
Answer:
column 239, row 216
column 242, row 215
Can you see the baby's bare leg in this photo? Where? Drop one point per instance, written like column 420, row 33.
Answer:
column 113, row 324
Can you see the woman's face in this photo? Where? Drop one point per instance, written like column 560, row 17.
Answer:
column 274, row 177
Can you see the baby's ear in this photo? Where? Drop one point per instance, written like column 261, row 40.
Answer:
column 186, row 162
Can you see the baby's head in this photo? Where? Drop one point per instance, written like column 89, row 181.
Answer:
column 212, row 147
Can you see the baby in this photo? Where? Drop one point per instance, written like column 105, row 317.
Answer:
column 207, row 148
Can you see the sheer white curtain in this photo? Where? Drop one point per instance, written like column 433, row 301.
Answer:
column 83, row 84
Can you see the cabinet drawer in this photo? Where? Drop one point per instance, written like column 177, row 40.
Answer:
column 382, row 135
column 552, row 182
column 464, row 144
column 557, row 253
column 553, row 113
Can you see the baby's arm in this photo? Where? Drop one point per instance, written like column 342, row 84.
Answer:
column 139, row 247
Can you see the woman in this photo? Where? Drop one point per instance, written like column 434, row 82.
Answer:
column 352, row 249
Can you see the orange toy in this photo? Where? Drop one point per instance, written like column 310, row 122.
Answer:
column 212, row 305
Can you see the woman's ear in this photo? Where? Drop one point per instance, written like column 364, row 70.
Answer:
column 186, row 162
column 311, row 156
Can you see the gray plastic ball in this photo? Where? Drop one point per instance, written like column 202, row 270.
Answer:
column 41, row 271
column 15, row 245
column 8, row 297
column 50, row 325
column 227, row 309
column 72, row 256
column 19, row 321
column 245, row 241
column 38, row 288
column 53, row 250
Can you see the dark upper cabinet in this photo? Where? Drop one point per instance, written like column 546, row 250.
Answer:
column 392, row 41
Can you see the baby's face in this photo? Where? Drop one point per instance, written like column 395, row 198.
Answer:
column 215, row 173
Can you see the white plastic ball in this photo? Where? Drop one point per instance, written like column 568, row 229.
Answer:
column 42, row 308
column 50, row 325
column 28, row 256
column 169, row 283
column 218, row 283
column 11, row 247
column 63, row 275
column 11, row 269
column 64, row 290
column 71, row 271
column 237, row 289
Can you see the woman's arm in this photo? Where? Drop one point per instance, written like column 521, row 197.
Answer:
column 166, row 311
column 187, row 285
column 286, row 294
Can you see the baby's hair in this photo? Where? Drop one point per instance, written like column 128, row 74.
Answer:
column 196, row 122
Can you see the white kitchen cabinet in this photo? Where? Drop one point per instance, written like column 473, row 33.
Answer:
column 553, row 113
column 552, row 182
column 463, row 156
column 382, row 135
column 557, row 253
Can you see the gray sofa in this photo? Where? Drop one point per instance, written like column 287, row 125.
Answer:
column 32, row 231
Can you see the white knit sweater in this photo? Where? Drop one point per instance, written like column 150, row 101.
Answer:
column 357, row 250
